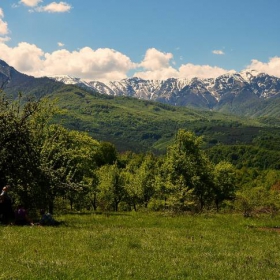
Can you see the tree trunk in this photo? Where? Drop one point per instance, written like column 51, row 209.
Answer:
column 94, row 202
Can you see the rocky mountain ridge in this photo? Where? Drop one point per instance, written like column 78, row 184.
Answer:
column 205, row 93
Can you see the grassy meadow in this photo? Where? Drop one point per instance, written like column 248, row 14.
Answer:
column 143, row 246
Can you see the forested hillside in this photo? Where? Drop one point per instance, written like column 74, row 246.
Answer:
column 63, row 145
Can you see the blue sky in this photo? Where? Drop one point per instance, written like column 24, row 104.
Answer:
column 151, row 39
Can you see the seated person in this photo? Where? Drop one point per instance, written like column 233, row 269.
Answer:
column 21, row 217
column 47, row 219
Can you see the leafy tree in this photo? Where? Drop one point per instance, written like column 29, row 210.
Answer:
column 67, row 162
column 107, row 154
column 187, row 171
column 111, row 186
column 225, row 182
column 145, row 178
column 140, row 180
column 18, row 154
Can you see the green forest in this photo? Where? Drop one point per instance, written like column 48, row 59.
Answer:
column 200, row 167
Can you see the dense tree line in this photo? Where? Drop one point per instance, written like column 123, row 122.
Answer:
column 48, row 165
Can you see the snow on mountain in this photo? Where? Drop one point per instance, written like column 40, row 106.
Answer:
column 69, row 80
column 184, row 91
column 248, row 74
column 137, row 87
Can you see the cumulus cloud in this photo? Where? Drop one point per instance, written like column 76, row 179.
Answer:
column 60, row 44
column 1, row 13
column 157, row 66
column 55, row 7
column 86, row 63
column 30, row 3
column 101, row 64
column 272, row 67
column 218, row 52
column 201, row 71
column 155, row 60
column 25, row 57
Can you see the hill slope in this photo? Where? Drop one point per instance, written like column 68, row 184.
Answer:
column 139, row 125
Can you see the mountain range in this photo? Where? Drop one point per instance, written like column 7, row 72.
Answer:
column 246, row 93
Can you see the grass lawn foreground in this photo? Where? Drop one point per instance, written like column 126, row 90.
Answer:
column 143, row 246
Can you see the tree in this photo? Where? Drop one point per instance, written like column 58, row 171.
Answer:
column 67, row 163
column 224, row 182
column 187, row 171
column 18, row 153
column 140, row 180
column 107, row 154
column 111, row 186
column 145, row 177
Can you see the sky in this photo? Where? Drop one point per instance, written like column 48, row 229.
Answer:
column 152, row 39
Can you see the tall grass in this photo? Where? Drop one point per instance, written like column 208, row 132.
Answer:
column 143, row 246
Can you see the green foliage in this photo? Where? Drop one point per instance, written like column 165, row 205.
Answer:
column 258, row 201
column 68, row 160
column 245, row 156
column 111, row 187
column 224, row 182
column 187, row 171
column 42, row 161
column 140, row 182
column 18, row 153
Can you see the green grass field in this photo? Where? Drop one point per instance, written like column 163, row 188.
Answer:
column 143, row 246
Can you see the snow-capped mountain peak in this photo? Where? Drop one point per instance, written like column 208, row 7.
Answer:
column 248, row 74
column 69, row 80
column 248, row 83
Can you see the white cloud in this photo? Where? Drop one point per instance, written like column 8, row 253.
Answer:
column 218, row 52
column 201, row 71
column 55, row 7
column 60, row 44
column 31, row 3
column 86, row 63
column 272, row 67
column 25, row 57
column 101, row 64
column 155, row 60
column 158, row 65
